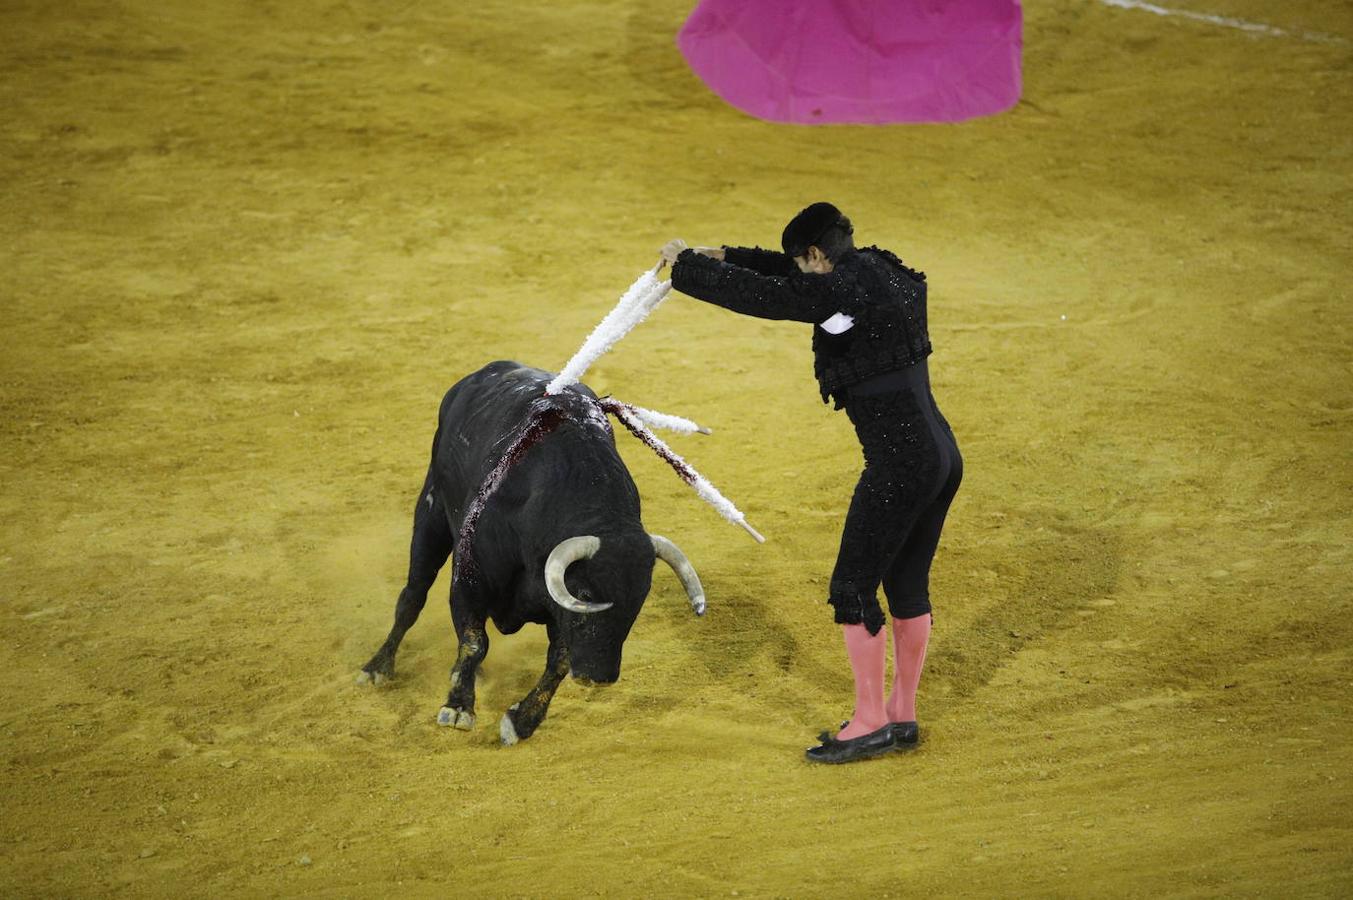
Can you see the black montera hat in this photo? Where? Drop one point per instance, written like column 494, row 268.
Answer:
column 808, row 227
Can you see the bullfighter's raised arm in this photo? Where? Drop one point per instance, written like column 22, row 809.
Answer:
column 761, row 261
column 800, row 297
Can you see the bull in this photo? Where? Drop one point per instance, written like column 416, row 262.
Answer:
column 528, row 492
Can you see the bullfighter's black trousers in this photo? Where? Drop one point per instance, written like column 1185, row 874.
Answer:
column 912, row 469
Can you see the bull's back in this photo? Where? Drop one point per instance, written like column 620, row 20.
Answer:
column 484, row 413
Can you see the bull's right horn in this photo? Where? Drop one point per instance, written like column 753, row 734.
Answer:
column 671, row 554
column 567, row 552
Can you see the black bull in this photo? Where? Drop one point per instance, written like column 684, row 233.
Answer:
column 530, row 494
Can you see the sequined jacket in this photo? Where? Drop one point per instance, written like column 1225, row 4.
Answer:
column 886, row 299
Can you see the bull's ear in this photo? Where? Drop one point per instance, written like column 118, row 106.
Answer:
column 567, row 552
column 671, row 554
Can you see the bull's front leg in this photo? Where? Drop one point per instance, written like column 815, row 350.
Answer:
column 474, row 646
column 524, row 717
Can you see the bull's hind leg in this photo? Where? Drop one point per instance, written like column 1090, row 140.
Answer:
column 525, row 716
column 428, row 551
column 474, row 646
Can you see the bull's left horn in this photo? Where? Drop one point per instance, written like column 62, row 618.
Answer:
column 567, row 552
column 671, row 554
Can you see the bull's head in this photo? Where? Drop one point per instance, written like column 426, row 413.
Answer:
column 606, row 590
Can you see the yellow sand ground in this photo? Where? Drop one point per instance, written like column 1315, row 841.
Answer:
column 247, row 246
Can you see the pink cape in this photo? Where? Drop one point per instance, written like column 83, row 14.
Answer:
column 862, row 61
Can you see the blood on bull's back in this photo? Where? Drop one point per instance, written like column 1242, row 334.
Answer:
column 501, row 443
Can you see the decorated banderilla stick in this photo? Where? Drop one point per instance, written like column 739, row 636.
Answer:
column 630, row 417
column 635, row 304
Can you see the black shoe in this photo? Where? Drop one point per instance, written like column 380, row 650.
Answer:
column 824, row 736
column 903, row 732
column 876, row 743
column 905, row 735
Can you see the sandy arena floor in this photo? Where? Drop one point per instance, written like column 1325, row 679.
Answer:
column 247, row 246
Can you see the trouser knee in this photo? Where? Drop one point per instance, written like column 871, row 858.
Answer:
column 853, row 608
column 908, row 607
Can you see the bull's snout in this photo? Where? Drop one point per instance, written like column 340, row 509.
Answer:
column 595, row 680
column 594, row 659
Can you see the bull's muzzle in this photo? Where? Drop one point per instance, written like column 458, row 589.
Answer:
column 593, row 683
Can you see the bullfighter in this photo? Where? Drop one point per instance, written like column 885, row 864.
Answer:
column 870, row 346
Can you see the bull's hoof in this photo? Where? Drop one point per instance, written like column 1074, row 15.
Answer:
column 380, row 669
column 459, row 719
column 507, row 729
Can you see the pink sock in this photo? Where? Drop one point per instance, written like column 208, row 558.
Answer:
column 868, row 658
column 910, row 637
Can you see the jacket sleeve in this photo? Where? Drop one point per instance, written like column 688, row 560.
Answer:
column 799, row 297
column 764, row 262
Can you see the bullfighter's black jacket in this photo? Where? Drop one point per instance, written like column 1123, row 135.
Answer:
column 886, row 299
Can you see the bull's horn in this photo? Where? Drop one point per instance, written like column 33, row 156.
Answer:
column 569, row 551
column 671, row 554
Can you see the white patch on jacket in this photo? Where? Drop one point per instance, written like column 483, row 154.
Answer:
column 838, row 324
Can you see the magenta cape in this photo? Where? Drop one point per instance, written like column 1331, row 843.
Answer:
column 864, row 61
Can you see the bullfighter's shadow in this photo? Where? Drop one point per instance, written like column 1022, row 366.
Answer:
column 1056, row 573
